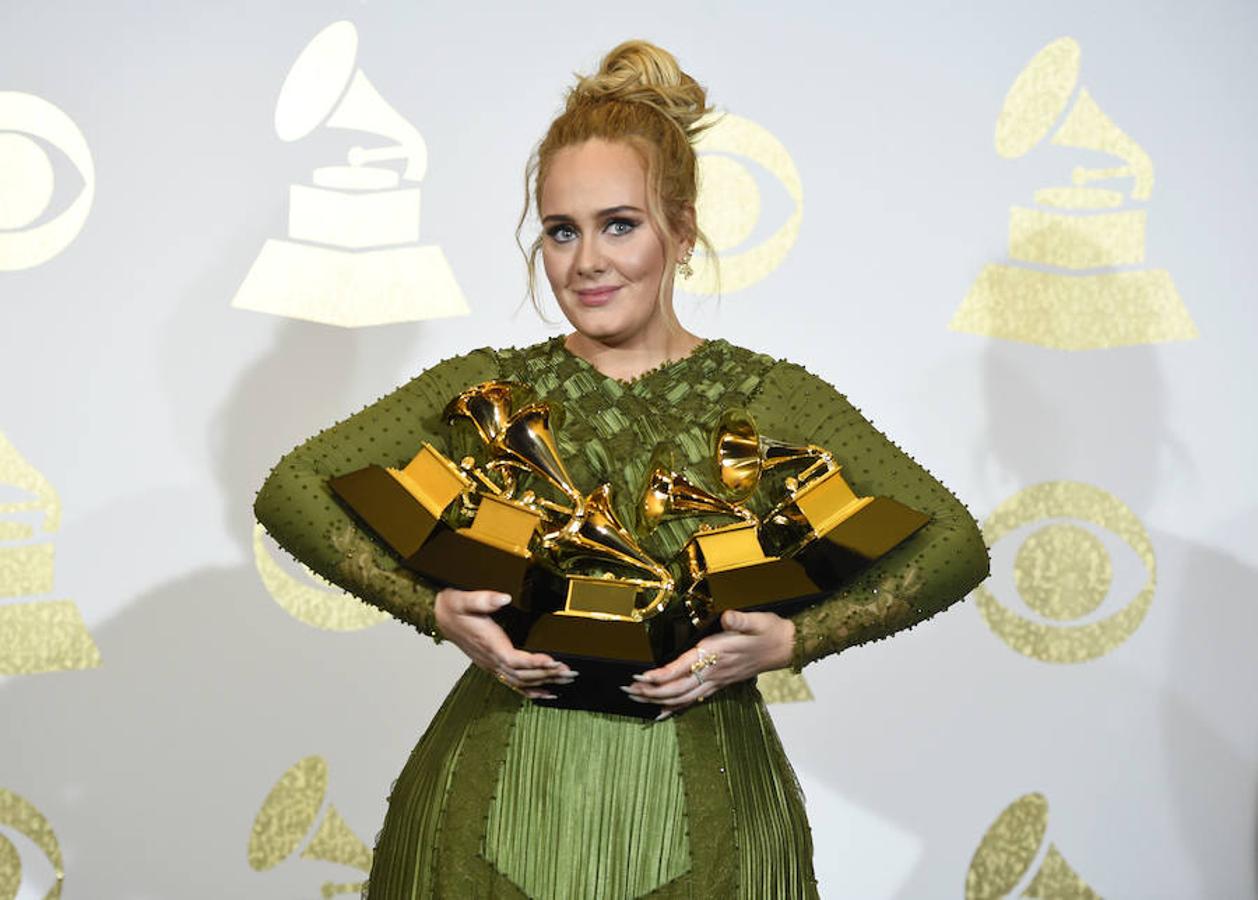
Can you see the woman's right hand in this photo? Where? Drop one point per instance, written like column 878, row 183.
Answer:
column 464, row 618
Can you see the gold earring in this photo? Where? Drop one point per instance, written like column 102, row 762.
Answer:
column 683, row 265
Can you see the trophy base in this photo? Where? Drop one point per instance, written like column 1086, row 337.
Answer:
column 597, row 688
column 779, row 585
column 876, row 528
column 453, row 558
column 837, row 555
column 607, row 654
column 388, row 508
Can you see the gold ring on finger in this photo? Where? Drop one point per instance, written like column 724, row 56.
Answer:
column 705, row 659
column 502, row 676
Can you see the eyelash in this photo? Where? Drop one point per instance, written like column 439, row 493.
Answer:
column 555, row 230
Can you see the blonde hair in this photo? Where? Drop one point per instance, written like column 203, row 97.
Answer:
column 639, row 96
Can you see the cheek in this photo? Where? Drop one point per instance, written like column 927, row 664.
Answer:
column 643, row 260
column 552, row 265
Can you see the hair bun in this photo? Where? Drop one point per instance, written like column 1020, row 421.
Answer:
column 639, row 72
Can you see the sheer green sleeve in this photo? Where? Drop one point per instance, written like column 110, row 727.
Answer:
column 932, row 569
column 299, row 510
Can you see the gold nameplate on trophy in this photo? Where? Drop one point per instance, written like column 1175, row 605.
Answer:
column 620, row 632
column 601, row 598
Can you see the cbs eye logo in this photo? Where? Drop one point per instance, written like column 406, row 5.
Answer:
column 27, row 180
column 320, row 604
column 728, row 207
column 1063, row 573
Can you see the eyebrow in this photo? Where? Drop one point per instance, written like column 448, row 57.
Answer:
column 602, row 214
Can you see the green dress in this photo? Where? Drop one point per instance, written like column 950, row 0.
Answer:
column 502, row 797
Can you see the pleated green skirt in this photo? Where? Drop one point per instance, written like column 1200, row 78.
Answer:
column 504, row 798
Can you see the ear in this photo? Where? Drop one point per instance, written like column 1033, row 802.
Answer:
column 687, row 230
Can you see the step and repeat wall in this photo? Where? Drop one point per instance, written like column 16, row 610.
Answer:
column 1018, row 237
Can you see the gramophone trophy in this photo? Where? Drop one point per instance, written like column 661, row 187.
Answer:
column 818, row 536
column 411, row 508
column 723, row 560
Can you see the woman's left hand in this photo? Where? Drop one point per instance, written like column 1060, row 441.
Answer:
column 751, row 643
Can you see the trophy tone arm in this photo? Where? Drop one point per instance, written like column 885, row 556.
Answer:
column 299, row 510
column 931, row 570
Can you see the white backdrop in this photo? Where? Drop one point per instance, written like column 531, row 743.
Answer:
column 158, row 690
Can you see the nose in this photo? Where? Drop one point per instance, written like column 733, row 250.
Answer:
column 590, row 260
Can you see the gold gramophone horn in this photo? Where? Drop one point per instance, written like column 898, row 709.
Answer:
column 668, row 492
column 487, row 405
column 527, row 443
column 743, row 454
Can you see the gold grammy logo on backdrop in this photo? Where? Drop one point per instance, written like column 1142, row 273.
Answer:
column 288, row 814
column 27, row 180
column 1010, row 852
column 1063, row 573
column 728, row 205
column 320, row 605
column 45, row 635
column 22, row 816
column 352, row 256
column 1072, row 283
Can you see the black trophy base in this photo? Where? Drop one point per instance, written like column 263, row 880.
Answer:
column 607, row 654
column 777, row 585
column 597, row 688
column 453, row 558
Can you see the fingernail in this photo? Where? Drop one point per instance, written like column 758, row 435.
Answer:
column 628, row 689
column 564, row 680
column 637, row 677
column 550, row 696
column 502, row 599
column 636, row 699
column 664, row 715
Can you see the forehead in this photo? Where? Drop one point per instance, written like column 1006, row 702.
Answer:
column 593, row 175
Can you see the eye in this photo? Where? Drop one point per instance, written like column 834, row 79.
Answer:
column 561, row 234
column 621, row 226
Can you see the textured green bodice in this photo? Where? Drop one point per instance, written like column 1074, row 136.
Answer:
column 505, row 798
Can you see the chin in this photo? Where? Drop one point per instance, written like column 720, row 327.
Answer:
column 599, row 323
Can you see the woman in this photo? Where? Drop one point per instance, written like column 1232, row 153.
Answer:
column 506, row 797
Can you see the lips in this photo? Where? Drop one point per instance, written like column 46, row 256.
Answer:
column 598, row 296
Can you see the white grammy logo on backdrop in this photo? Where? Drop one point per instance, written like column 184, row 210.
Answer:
column 352, row 256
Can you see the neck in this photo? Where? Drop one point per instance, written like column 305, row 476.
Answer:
column 628, row 358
